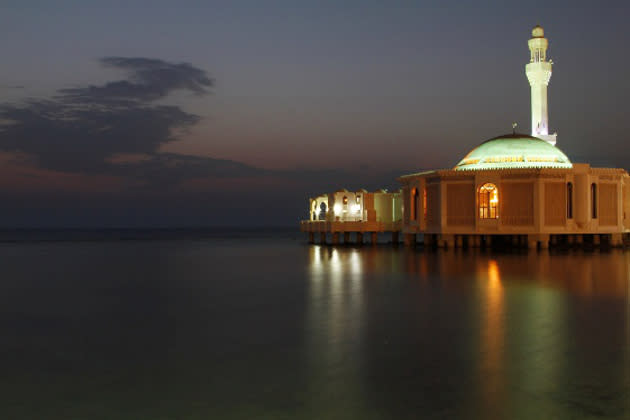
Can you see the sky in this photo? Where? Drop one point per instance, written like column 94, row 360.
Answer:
column 232, row 113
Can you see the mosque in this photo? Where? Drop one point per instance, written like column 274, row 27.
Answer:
column 515, row 188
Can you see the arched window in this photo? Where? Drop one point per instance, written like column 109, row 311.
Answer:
column 488, row 201
column 414, row 204
column 345, row 200
column 594, row 201
column 569, row 200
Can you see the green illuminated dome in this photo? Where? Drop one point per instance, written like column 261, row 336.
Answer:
column 514, row 151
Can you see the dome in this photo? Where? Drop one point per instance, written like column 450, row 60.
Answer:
column 514, row 151
column 538, row 32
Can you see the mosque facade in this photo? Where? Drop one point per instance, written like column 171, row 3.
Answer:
column 518, row 188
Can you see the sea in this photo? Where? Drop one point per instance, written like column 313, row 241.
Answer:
column 258, row 324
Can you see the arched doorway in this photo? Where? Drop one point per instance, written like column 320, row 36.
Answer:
column 322, row 211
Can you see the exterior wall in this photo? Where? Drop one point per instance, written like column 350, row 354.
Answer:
column 607, row 204
column 460, row 204
column 555, row 204
column 531, row 201
column 517, row 203
column 363, row 211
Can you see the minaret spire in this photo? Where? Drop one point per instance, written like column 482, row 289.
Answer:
column 538, row 73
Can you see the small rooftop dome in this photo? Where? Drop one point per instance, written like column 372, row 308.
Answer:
column 538, row 32
column 513, row 151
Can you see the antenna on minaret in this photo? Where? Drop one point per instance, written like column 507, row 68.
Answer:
column 514, row 124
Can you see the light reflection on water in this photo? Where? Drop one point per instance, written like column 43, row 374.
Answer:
column 509, row 335
column 273, row 328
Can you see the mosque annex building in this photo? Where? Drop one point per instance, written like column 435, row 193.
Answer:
column 518, row 188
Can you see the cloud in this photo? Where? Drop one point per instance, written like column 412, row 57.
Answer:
column 84, row 130
column 148, row 80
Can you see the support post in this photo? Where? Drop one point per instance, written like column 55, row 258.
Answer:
column 335, row 238
column 346, row 238
column 395, row 237
column 322, row 238
column 359, row 238
column 544, row 241
column 410, row 239
column 374, row 240
column 532, row 242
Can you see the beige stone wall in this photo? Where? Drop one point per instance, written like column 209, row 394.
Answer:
column 433, row 205
column 460, row 208
column 607, row 204
column 555, row 202
column 516, row 203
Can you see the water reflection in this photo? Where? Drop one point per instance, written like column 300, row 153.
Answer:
column 460, row 332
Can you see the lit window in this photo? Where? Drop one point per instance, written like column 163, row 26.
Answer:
column 424, row 203
column 488, row 201
column 414, row 204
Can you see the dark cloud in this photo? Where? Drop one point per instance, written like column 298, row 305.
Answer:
column 148, row 80
column 82, row 130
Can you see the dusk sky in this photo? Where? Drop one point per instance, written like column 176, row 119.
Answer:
column 225, row 113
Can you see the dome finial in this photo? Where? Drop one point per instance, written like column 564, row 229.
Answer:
column 538, row 32
column 514, row 124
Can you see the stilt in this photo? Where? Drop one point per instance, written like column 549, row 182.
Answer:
column 410, row 239
column 532, row 242
column 544, row 241
column 346, row 238
column 335, row 238
column 395, row 237
column 322, row 238
column 596, row 241
column 616, row 239
column 579, row 239
column 458, row 241
column 476, row 241
column 311, row 238
column 359, row 238
column 374, row 240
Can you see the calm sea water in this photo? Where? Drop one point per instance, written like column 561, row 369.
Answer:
column 222, row 325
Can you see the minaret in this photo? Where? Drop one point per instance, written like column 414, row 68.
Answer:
column 538, row 73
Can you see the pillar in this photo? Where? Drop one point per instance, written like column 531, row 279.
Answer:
column 532, row 242
column 322, row 238
column 578, row 240
column 458, row 241
column 544, row 241
column 616, row 239
column 476, row 241
column 374, row 239
column 410, row 239
column 596, row 240
column 346, row 238
column 359, row 238
column 335, row 238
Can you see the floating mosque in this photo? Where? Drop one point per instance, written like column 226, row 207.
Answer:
column 514, row 189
